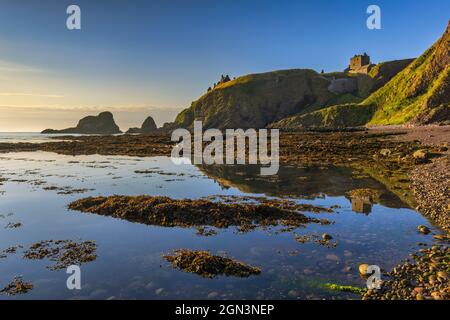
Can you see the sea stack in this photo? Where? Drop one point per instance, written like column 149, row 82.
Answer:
column 148, row 126
column 101, row 124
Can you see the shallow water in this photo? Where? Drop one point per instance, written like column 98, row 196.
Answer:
column 130, row 264
column 32, row 137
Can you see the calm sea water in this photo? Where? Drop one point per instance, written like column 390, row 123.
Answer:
column 130, row 264
column 30, row 137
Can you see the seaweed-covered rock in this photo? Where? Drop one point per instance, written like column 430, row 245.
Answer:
column 63, row 252
column 164, row 211
column 17, row 286
column 209, row 266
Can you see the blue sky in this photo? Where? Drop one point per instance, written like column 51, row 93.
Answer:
column 154, row 57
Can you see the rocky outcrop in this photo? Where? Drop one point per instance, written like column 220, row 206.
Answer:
column 343, row 85
column 148, row 126
column 256, row 100
column 101, row 124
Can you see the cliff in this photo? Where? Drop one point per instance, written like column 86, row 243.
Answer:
column 256, row 100
column 418, row 94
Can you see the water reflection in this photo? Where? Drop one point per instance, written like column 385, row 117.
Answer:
column 303, row 183
column 130, row 262
column 362, row 205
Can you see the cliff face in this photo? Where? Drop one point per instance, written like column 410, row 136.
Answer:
column 256, row 100
column 420, row 94
column 101, row 124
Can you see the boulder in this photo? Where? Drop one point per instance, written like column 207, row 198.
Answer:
column 421, row 154
column 363, row 269
column 423, row 229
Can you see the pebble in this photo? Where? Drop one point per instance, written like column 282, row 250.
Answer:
column 326, row 237
column 363, row 268
column 213, row 295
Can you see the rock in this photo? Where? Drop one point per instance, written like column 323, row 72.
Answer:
column 421, row 154
column 101, row 124
column 419, row 297
column 347, row 253
column 347, row 269
column 423, row 229
column 332, row 257
column 293, row 294
column 134, row 130
column 326, row 237
column 363, row 268
column 148, row 126
column 418, row 289
column 159, row 291
column 436, row 295
column 440, row 237
column 385, row 152
column 442, row 275
column 213, row 295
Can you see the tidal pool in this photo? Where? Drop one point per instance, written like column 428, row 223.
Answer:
column 38, row 186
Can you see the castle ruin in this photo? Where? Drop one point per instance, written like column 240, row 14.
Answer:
column 360, row 64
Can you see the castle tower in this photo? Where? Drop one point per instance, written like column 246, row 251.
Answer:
column 360, row 64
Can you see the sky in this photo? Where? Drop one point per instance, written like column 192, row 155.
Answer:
column 137, row 58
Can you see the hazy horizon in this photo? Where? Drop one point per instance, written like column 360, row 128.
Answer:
column 154, row 58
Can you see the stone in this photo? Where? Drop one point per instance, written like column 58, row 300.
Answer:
column 421, row 154
column 326, row 237
column 332, row 257
column 442, row 275
column 363, row 268
column 436, row 295
column 423, row 229
column 293, row 293
column 213, row 295
column 385, row 152
column 347, row 269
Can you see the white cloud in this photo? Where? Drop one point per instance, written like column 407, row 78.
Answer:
column 20, row 94
column 6, row 66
